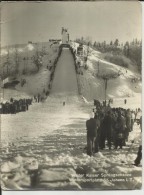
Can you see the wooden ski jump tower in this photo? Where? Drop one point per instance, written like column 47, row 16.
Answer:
column 65, row 36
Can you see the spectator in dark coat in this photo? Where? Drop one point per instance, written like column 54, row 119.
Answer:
column 139, row 156
column 128, row 119
column 120, row 131
column 91, row 126
column 101, row 132
column 128, row 123
column 107, row 128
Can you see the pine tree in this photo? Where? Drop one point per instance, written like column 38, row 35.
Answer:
column 111, row 43
column 116, row 43
column 95, row 44
column 126, row 49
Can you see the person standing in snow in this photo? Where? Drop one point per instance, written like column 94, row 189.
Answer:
column 38, row 97
column 138, row 116
column 128, row 122
column 101, row 132
column 47, row 93
column 140, row 122
column 92, row 127
column 107, row 128
column 139, row 156
column 120, row 131
column 35, row 98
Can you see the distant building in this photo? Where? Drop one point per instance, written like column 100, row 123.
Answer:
column 9, row 82
column 65, row 36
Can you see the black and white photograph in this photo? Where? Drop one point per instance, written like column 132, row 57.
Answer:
column 70, row 95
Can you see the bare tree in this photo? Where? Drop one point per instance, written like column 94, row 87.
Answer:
column 88, row 49
column 98, row 63
column 37, row 59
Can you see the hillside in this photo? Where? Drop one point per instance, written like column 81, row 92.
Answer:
column 36, row 79
column 93, row 87
column 50, row 138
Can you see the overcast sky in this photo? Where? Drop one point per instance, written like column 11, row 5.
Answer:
column 25, row 21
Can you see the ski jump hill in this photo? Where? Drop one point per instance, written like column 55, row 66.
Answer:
column 65, row 79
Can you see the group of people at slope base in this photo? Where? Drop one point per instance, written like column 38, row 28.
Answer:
column 15, row 106
column 110, row 127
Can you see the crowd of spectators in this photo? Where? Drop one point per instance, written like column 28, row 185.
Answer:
column 15, row 106
column 110, row 126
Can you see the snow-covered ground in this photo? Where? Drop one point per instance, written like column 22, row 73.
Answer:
column 65, row 78
column 51, row 137
column 92, row 87
column 36, row 82
column 44, row 148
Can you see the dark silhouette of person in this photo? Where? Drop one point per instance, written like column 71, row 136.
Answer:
column 139, row 156
column 92, row 128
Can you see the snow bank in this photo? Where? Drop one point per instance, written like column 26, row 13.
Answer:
column 93, row 87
